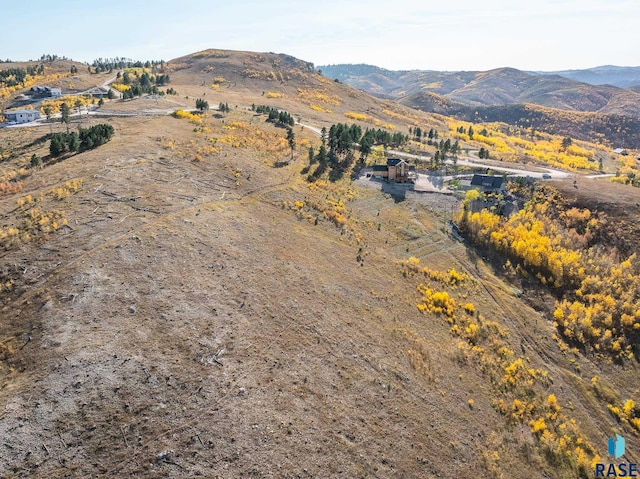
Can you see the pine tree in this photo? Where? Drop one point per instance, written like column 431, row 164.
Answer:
column 65, row 115
column 291, row 139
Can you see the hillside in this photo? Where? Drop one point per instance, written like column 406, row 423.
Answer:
column 623, row 77
column 593, row 127
column 182, row 301
column 502, row 86
column 550, row 103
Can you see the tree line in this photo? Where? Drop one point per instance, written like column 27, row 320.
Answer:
column 84, row 139
column 110, row 64
column 279, row 117
column 336, row 154
column 16, row 76
column 142, row 84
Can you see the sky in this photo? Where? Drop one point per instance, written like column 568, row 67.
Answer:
column 541, row 35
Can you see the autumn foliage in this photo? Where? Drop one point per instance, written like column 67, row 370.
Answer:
column 598, row 309
column 522, row 392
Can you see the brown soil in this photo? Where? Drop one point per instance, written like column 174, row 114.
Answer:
column 186, row 324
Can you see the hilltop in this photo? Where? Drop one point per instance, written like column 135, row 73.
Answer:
column 187, row 300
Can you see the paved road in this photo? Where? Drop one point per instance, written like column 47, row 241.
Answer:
column 556, row 174
column 468, row 161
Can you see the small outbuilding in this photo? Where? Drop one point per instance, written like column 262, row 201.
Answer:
column 620, row 151
column 21, row 116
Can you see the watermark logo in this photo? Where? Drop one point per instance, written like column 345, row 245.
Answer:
column 616, row 449
column 616, row 446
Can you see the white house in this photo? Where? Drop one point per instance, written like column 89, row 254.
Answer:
column 21, row 116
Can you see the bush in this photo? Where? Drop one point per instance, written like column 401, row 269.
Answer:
column 35, row 161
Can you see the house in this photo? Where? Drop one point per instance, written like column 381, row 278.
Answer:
column 488, row 183
column 45, row 91
column 21, row 116
column 97, row 92
column 620, row 151
column 396, row 170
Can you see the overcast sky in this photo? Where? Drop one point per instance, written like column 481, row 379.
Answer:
column 394, row 34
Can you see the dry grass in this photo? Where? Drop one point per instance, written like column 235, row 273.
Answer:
column 184, row 309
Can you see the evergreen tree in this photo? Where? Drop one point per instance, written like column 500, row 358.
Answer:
column 65, row 115
column 291, row 139
column 202, row 105
column 73, row 142
column 47, row 112
column 78, row 105
column 323, row 158
column 57, row 145
column 366, row 145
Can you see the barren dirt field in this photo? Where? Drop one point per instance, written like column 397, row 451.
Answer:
column 207, row 312
column 255, row 345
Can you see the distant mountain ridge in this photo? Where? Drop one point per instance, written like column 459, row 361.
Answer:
column 548, row 102
column 501, row 86
column 623, row 77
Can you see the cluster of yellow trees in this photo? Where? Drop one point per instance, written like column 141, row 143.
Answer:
column 195, row 119
column 7, row 91
column 318, row 95
column 627, row 413
column 267, row 75
column 72, row 101
column 369, row 119
column 32, row 220
column 315, row 107
column 329, row 200
column 511, row 144
column 599, row 310
column 240, row 134
column 522, row 391
column 69, row 188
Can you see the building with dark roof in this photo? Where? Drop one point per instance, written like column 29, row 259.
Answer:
column 488, row 183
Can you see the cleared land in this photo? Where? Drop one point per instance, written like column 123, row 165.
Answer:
column 193, row 320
